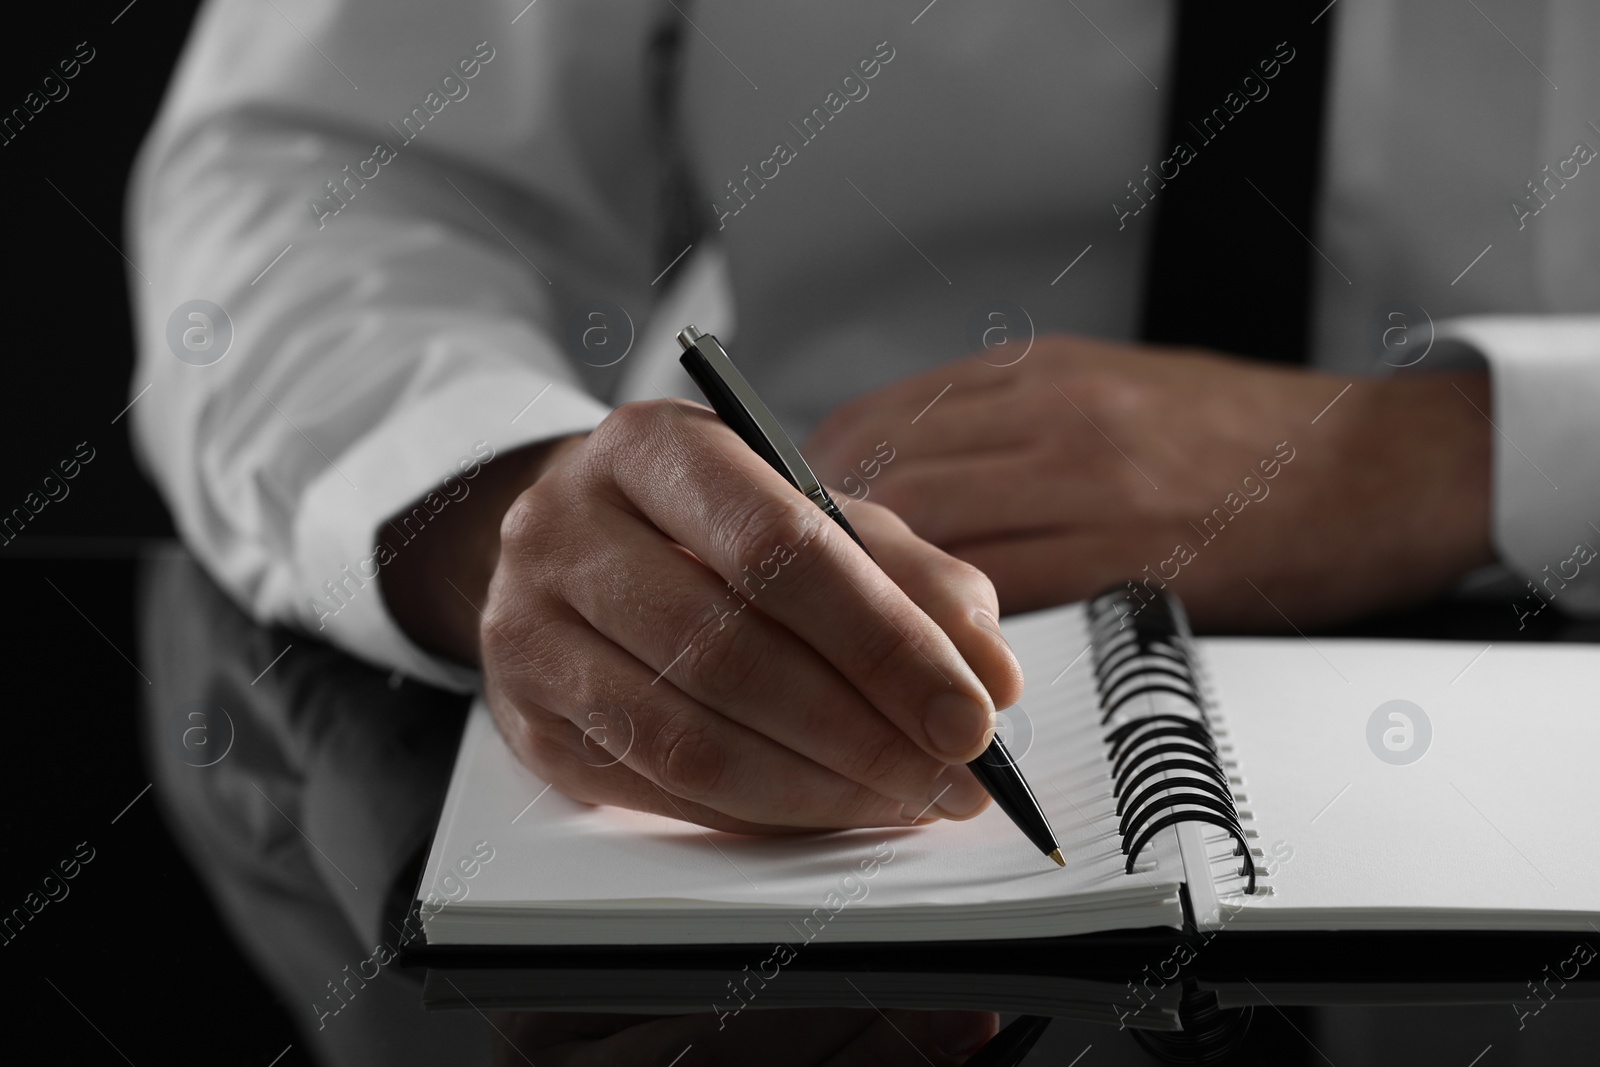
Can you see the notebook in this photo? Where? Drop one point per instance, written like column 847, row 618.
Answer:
column 1241, row 784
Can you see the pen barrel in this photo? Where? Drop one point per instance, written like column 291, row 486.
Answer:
column 731, row 411
column 731, row 397
column 1000, row 776
column 827, row 505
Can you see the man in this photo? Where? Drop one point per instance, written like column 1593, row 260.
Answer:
column 424, row 224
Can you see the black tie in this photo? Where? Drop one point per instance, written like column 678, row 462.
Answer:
column 1240, row 161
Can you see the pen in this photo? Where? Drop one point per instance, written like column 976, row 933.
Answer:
column 737, row 405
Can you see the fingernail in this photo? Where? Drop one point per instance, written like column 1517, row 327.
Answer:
column 961, row 1033
column 957, row 793
column 955, row 724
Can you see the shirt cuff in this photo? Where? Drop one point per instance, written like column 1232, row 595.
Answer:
column 342, row 530
column 1545, row 381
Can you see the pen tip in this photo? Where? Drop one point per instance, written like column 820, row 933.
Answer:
column 1055, row 854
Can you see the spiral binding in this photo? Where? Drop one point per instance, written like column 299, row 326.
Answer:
column 1165, row 766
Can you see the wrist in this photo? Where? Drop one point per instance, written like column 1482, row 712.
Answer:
column 436, row 588
column 1433, row 432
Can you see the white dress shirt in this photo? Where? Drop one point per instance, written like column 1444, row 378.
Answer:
column 499, row 169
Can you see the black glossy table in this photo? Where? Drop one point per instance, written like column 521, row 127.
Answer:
column 242, row 811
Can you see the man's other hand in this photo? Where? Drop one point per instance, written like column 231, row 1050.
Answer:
column 1263, row 497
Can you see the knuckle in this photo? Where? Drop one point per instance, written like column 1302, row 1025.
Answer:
column 687, row 760
column 761, row 527
column 721, row 661
column 497, row 650
column 583, row 689
column 497, row 645
column 629, row 428
column 522, row 520
column 878, row 655
column 624, row 423
column 958, row 574
column 1103, row 392
column 880, row 761
column 531, row 528
column 521, row 650
column 548, row 544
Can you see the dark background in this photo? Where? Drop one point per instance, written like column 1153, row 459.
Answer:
column 132, row 965
column 71, row 354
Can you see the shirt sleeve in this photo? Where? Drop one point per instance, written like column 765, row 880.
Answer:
column 384, row 215
column 1545, row 384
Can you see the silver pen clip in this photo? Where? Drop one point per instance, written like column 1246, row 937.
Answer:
column 799, row 470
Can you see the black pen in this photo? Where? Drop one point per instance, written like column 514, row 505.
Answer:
column 736, row 403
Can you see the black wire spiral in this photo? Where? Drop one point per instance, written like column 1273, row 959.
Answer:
column 1164, row 764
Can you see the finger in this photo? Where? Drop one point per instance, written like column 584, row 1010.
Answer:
column 954, row 593
column 925, row 391
column 868, row 436
column 977, row 424
column 896, row 411
column 569, row 759
column 955, row 499
column 830, row 594
column 1028, row 574
column 689, row 751
column 1057, row 409
column 685, row 622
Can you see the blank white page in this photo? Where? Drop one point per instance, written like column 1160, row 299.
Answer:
column 1492, row 828
column 567, row 873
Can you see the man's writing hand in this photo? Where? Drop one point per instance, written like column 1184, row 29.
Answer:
column 665, row 624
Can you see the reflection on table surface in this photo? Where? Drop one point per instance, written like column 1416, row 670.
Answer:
column 304, row 796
